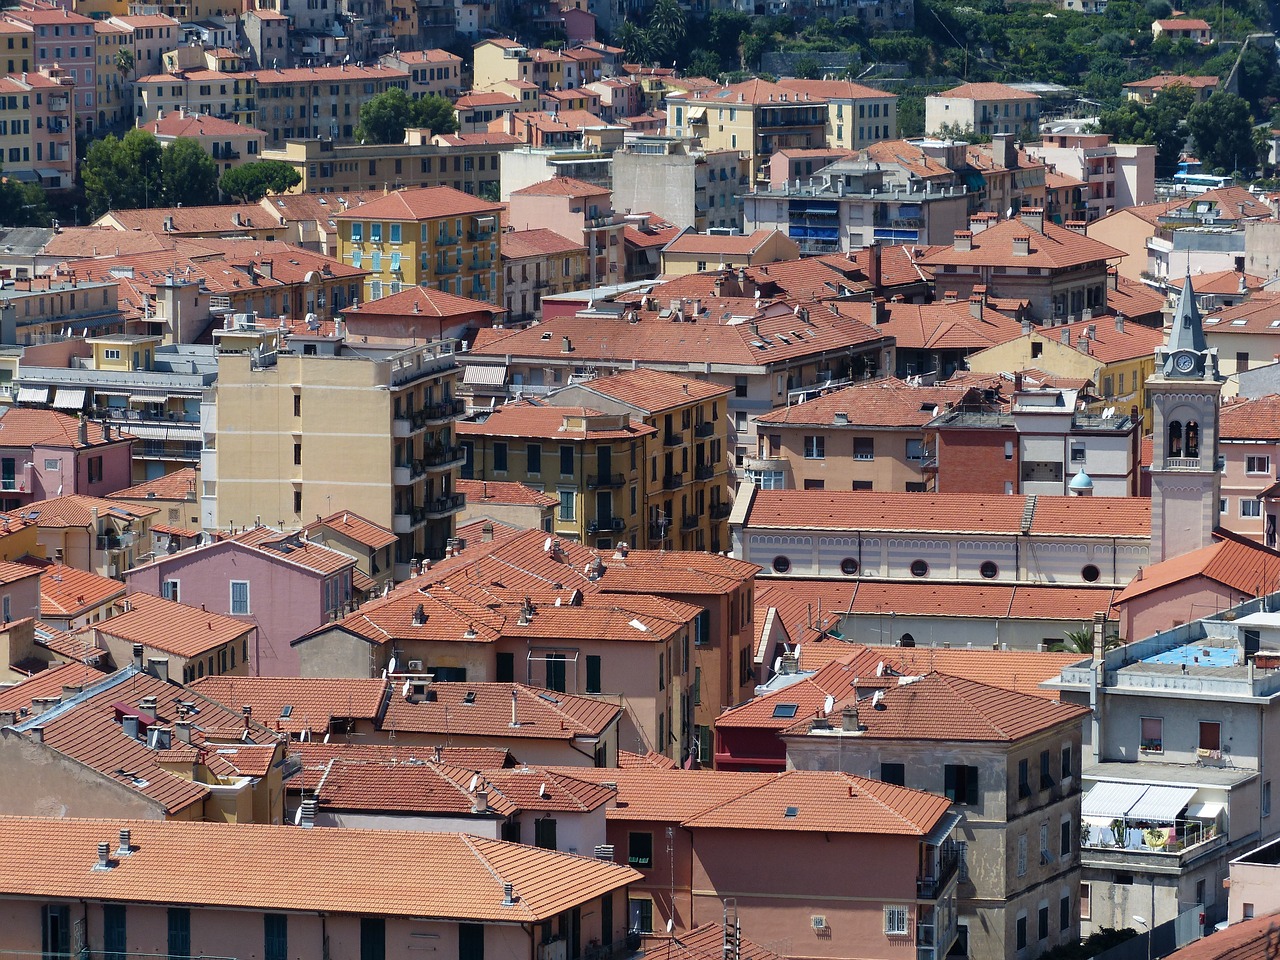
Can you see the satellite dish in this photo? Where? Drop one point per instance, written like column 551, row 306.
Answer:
column 829, row 704
column 391, row 665
column 404, row 691
column 297, row 816
column 880, row 669
column 471, row 787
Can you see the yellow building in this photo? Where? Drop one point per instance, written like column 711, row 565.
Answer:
column 469, row 164
column 756, row 117
column 232, row 96
column 501, row 59
column 318, row 101
column 685, row 468
column 285, row 454
column 15, row 46
column 436, row 236
column 857, row 116
column 229, row 144
column 115, row 88
column 593, row 461
column 692, row 252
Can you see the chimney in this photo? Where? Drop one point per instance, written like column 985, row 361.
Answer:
column 790, row 665
column 820, row 722
column 37, row 734
column 40, row 704
column 148, row 704
column 879, row 311
column 309, row 812
column 183, row 729
column 137, row 655
column 129, row 724
column 508, row 895
column 486, row 532
column 841, row 418
column 566, row 345
column 1082, row 343
column 1022, row 246
column 849, row 718
column 125, row 848
column 1032, row 218
column 246, row 712
column 515, row 715
column 975, row 306
column 963, row 241
column 69, row 691
column 1099, row 636
column 1026, row 326
column 104, row 856
column 481, row 802
column 7, row 718
column 84, row 431
column 1003, row 150
column 872, row 269
column 1119, row 323
column 1066, row 336
column 1017, row 383
column 158, row 667
column 1076, row 226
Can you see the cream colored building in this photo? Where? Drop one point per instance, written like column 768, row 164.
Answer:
column 984, row 109
column 692, row 252
column 856, row 115
column 323, row 424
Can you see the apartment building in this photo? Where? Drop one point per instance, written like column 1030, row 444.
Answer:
column 599, row 473
column 755, row 117
column 270, row 450
column 434, row 236
column 1248, row 438
column 689, row 252
column 857, row 115
column 499, row 59
column 668, row 177
column 431, row 72
column 1148, row 90
column 37, row 141
column 15, row 46
column 573, row 209
column 538, row 262
column 46, row 453
column 175, row 495
column 63, row 45
column 1114, row 175
column 115, row 93
column 149, row 38
column 229, row 144
column 229, row 96
column 984, row 109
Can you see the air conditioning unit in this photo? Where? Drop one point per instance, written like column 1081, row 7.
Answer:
column 819, row 922
column 415, row 666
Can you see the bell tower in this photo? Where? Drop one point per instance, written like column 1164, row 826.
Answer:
column 1185, row 393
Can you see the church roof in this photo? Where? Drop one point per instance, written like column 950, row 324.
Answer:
column 1187, row 332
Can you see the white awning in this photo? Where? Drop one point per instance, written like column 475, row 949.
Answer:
column 68, row 398
column 1110, row 801
column 1162, row 804
column 144, row 431
column 942, row 829
column 33, row 394
column 697, row 113
column 484, row 375
column 1205, row 809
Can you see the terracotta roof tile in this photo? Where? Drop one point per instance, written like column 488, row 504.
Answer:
column 503, row 492
column 199, row 125
column 294, row 704
column 1224, row 204
column 425, row 203
column 538, row 242
column 527, row 419
column 68, row 592
column 986, row 91
column 295, row 548
column 25, row 426
column 179, row 485
column 704, row 942
column 1253, row 939
column 1181, row 24
column 74, row 649
column 1243, row 565
column 1162, row 80
column 1257, row 418
column 835, row 89
column 542, row 714
column 172, row 627
column 561, row 187
column 267, row 867
column 651, row 759
column 45, row 684
column 316, row 756
column 650, row 793
column 77, row 510
column 882, row 403
column 713, row 244
column 352, row 525
column 653, row 391
column 754, row 92
column 1055, row 248
column 199, row 220
column 1260, row 314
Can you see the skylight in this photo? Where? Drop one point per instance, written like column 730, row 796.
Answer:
column 792, row 812
column 785, row 709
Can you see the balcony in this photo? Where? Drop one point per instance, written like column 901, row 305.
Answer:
column 721, row 510
column 673, row 439
column 931, row 888
column 673, row 481
column 604, row 481
column 659, row 532
column 1182, row 463
column 441, row 458
column 1166, row 845
column 446, row 268
column 58, row 103
column 477, row 235
column 446, row 239
column 113, row 542
column 707, row 428
column 405, row 424
column 442, row 506
column 690, row 521
column 616, row 524
column 705, row 471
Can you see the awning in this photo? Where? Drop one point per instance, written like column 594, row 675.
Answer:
column 697, row 113
column 47, row 173
column 111, row 393
column 1162, row 804
column 1110, row 801
column 33, row 394
column 69, row 398
column 144, row 431
column 484, row 375
column 943, row 828
column 1205, row 809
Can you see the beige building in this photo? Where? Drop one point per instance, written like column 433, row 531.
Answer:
column 983, row 109
column 1129, row 228
column 431, row 72
column 506, row 502
column 857, row 115
column 670, row 178
column 692, row 252
column 230, row 144
column 501, row 59
column 275, row 445
column 538, row 263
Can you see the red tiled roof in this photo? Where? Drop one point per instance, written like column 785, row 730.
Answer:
column 835, row 89
column 1162, row 80
column 1253, row 939
column 504, row 492
column 424, row 203
column 1120, row 516
column 653, row 391
column 294, row 704
column 199, row 125
column 651, row 759
column 423, row 301
column 524, row 418
column 857, row 509
column 355, row 527
column 77, row 510
column 1251, row 419
column 45, row 684
column 1105, row 342
column 172, row 627
column 1055, row 248
column 542, row 714
column 537, row 242
column 294, row 548
column 65, row 645
column 68, row 592
column 704, row 942
column 1226, row 203
column 986, row 91
column 755, row 92
column 1243, row 565
column 179, row 485
column 714, row 244
column 1226, row 283
column 316, row 756
column 678, row 572
column 27, row 426
column 1183, row 24
column 561, row 187
column 881, row 403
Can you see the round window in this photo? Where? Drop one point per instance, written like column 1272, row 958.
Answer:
column 1090, row 573
column 781, row 564
column 919, row 568
column 848, row 566
column 988, row 570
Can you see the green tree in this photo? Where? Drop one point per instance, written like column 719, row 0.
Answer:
column 250, row 182
column 23, row 204
column 635, row 41
column 189, row 175
column 704, row 63
column 807, row 67
column 434, row 112
column 1223, row 131
column 123, row 174
column 666, row 29
column 1161, row 123
column 1080, row 640
column 124, row 62
column 384, row 117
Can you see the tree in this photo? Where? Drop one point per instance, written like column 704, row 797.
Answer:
column 122, row 174
column 807, row 67
column 250, row 182
column 23, row 204
column 1160, row 123
column 1080, row 640
column 189, row 175
column 704, row 63
column 384, row 117
column 435, row 113
column 1223, row 132
column 666, row 29
column 634, row 41
column 124, row 62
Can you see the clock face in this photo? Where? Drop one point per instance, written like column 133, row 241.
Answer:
column 1183, row 362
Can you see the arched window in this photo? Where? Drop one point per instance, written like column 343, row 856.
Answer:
column 1193, row 439
column 1175, row 439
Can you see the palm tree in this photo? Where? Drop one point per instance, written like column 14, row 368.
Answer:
column 1081, row 641
column 1263, row 140
column 666, row 28
column 634, row 41
column 124, row 62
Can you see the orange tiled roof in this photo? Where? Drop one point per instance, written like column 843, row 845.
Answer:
column 1260, row 314
column 198, row 220
column 986, row 91
column 1179, row 24
column 26, row 426
column 504, row 492
column 882, row 403
column 294, row 704
column 756, row 92
column 1226, row 203
column 179, row 485
column 424, row 203
column 68, row 592
column 199, row 125
column 537, row 242
column 704, row 942
column 541, row 714
column 295, row 548
column 65, row 645
column 1226, row 282
column 171, row 627
column 1251, row 419
column 47, row 683
column 650, row 759
column 653, row 391
column 1243, row 565
column 78, row 510
column 1056, row 248
column 523, row 418
column 1105, row 342
column 260, row 867
column 690, row 242
column 423, row 301
column 561, row 187
column 355, row 527
column 1162, row 80
column 675, row 573
column 317, row 755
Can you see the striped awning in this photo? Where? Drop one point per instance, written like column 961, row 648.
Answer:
column 1161, row 803
column 33, row 394
column 1111, row 801
column 69, row 398
column 484, row 375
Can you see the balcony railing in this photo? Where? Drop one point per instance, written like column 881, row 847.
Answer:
column 659, row 531
column 1182, row 463
column 113, row 541
column 598, row 481
column 673, row 481
column 1122, row 836
column 673, row 439
column 616, row 524
column 704, row 471
column 720, row 511
column 706, row 428
column 930, row 888
column 689, row 521
column 443, row 506
column 441, row 457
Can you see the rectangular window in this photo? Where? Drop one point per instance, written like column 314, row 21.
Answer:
column 641, row 911
column 171, row 590
column 373, row 930
column 1021, row 933
column 555, row 672
column 394, row 232
column 567, row 511
column 505, row 668
column 1044, row 843
column 1064, row 912
column 1210, row 736
column 1064, row 840
column 357, row 232
column 95, row 469
column 275, row 937
column 566, row 460
column 1152, row 740
column 55, row 931
column 297, row 405
column 297, row 454
column 961, row 784
column 593, row 673
column 534, row 458
column 1250, row 507
column 1042, row 923
column 1066, row 762
column 1022, row 855
column 375, row 231
column 895, row 921
column 915, row 450
column 1046, row 777
column 114, row 934
column 1257, row 464
column 640, row 850
column 544, row 833
column 471, row 941
column 815, row 448
column 179, row 932
column 1266, row 798
column 1024, row 778
column 864, row 448
column 894, row 773
column 240, row 598
column 1086, row 905
column 499, row 457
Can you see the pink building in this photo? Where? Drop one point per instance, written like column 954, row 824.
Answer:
column 65, row 40
column 44, row 453
column 1249, row 440
column 284, row 584
column 51, row 154
column 574, row 208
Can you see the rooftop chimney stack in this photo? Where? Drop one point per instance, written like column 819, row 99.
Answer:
column 849, row 718
column 137, row 655
column 104, row 856
column 125, row 848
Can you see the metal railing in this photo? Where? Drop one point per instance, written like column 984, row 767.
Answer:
column 704, row 471
column 598, row 481
column 673, row 481
column 705, row 429
column 929, row 888
column 719, row 511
